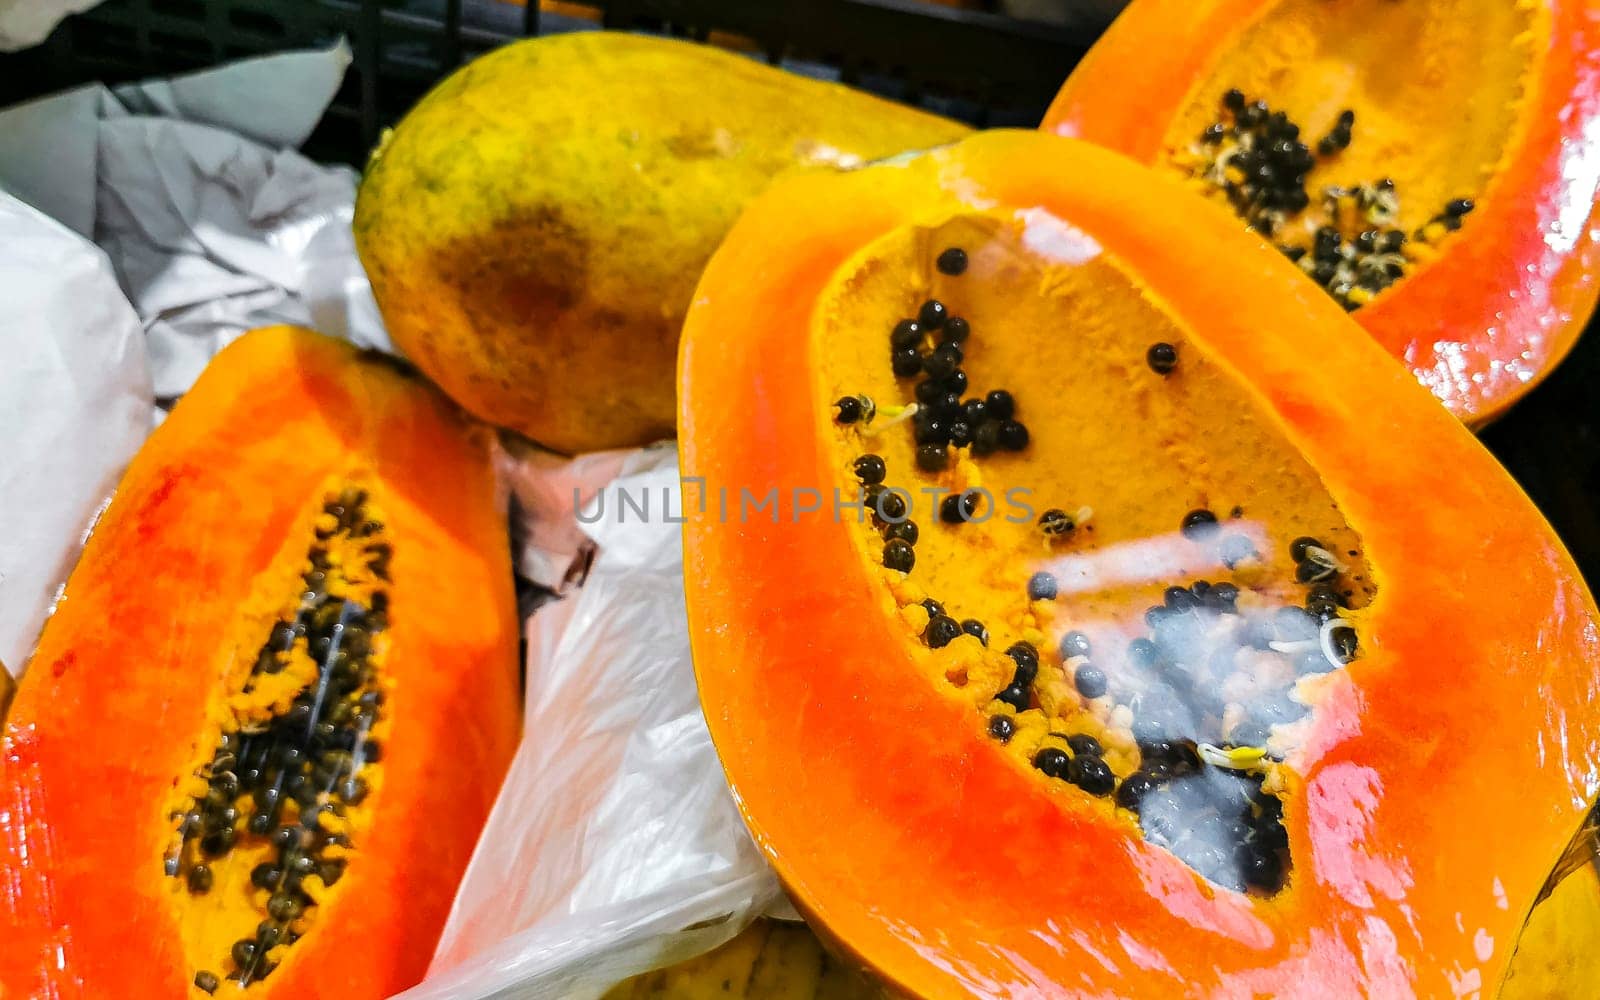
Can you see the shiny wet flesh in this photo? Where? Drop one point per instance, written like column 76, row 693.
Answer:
column 1095, row 530
column 274, row 811
column 1319, row 124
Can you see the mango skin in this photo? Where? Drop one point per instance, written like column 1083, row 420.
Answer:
column 535, row 226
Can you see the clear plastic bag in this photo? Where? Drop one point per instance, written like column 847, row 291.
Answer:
column 74, row 404
column 615, row 846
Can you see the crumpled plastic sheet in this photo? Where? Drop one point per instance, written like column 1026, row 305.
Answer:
column 551, row 547
column 615, row 832
column 28, row 22
column 615, row 818
column 74, row 405
column 213, row 237
column 49, row 158
column 213, row 226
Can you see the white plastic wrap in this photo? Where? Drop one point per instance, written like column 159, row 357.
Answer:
column 552, row 549
column 615, row 830
column 211, row 227
column 29, row 22
column 213, row 235
column 74, row 405
column 50, row 157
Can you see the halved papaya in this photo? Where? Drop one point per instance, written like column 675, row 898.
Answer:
column 1082, row 607
column 259, row 736
column 1432, row 164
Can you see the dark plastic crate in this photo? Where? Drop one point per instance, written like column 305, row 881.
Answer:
column 981, row 67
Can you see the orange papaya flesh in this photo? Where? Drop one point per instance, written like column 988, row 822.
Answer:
column 259, row 735
column 1431, row 164
column 1203, row 704
column 1286, row 568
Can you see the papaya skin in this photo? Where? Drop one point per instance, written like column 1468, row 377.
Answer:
column 535, row 226
column 1503, row 300
column 1556, row 955
column 769, row 960
column 1443, row 774
column 176, row 591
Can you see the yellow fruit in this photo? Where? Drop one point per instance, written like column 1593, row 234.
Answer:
column 1558, row 952
column 771, row 960
column 535, row 226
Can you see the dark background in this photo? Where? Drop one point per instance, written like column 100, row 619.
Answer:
column 982, row 67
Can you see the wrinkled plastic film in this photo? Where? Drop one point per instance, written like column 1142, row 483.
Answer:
column 24, row 23
column 213, row 236
column 549, row 544
column 74, row 405
column 212, row 227
column 615, row 818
